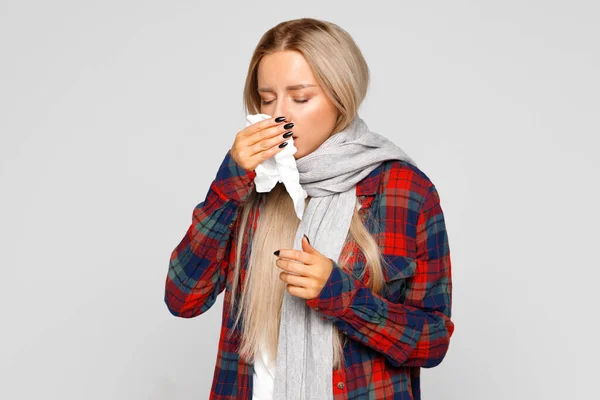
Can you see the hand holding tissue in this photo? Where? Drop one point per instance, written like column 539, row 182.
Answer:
column 280, row 168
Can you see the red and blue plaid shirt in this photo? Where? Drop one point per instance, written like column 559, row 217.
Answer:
column 392, row 335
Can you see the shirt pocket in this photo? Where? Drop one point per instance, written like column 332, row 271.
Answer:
column 398, row 270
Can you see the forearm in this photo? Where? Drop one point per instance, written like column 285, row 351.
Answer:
column 198, row 264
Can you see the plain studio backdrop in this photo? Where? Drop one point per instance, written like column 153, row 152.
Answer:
column 115, row 116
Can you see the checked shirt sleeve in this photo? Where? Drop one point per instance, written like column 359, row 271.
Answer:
column 415, row 332
column 198, row 264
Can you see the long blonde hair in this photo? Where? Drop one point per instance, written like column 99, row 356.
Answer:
column 342, row 72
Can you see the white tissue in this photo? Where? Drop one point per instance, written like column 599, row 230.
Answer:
column 280, row 168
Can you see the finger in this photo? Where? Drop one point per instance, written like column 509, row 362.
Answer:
column 267, row 147
column 252, row 129
column 260, row 125
column 297, row 291
column 264, row 155
column 297, row 255
column 293, row 267
column 295, row 280
column 260, row 140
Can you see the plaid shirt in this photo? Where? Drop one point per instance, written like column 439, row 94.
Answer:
column 392, row 335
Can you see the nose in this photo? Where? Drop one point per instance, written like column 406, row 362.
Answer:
column 281, row 109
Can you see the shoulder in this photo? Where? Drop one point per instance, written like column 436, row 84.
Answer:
column 399, row 178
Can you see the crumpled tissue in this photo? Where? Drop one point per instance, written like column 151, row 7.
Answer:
column 280, row 168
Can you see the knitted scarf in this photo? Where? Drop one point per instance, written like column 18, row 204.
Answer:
column 304, row 364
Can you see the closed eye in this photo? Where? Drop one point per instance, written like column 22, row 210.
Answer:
column 297, row 101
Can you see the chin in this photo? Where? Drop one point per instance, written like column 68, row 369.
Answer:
column 298, row 154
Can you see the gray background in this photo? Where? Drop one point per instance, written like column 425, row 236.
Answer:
column 115, row 116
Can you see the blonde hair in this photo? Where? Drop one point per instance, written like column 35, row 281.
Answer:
column 342, row 72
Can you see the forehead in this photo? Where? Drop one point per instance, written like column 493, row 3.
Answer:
column 282, row 69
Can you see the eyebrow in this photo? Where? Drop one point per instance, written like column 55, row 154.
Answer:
column 292, row 87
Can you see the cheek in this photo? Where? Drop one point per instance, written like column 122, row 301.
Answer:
column 314, row 110
column 314, row 116
column 317, row 120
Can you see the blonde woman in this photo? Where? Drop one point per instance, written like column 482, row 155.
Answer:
column 348, row 302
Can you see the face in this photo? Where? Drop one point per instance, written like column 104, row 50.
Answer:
column 287, row 87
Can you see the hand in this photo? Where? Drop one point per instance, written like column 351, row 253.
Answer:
column 259, row 141
column 313, row 270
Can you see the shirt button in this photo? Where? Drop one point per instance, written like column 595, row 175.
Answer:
column 250, row 183
column 231, row 225
column 345, row 332
column 340, row 385
column 317, row 308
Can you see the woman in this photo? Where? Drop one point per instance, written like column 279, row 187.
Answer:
column 348, row 302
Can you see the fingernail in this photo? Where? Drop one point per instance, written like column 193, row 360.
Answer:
column 283, row 144
column 287, row 134
column 276, row 252
column 288, row 126
column 307, row 238
column 279, row 119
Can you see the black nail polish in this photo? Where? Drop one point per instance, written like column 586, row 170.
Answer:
column 283, row 144
column 279, row 119
column 276, row 252
column 287, row 134
column 307, row 238
column 288, row 126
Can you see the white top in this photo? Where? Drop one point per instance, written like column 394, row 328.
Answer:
column 263, row 377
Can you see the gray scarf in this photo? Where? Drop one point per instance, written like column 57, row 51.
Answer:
column 329, row 175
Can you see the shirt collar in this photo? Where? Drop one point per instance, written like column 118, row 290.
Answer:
column 370, row 184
